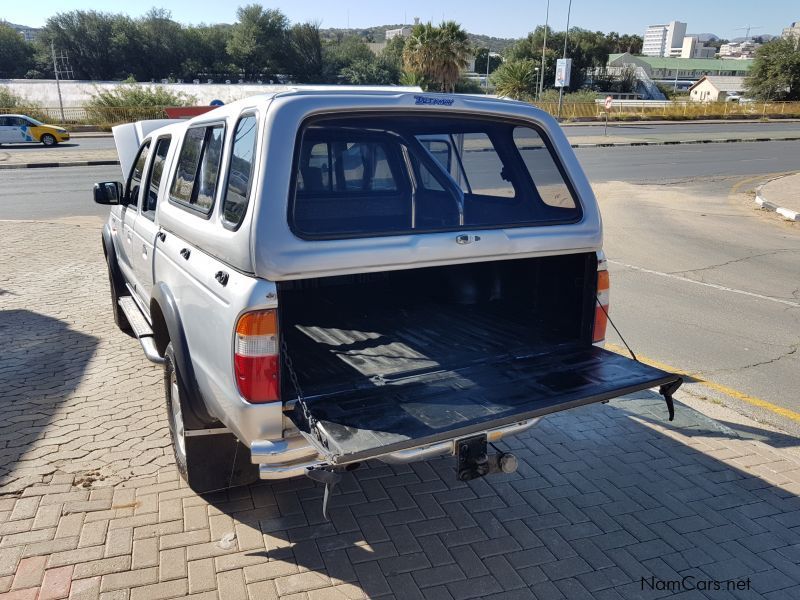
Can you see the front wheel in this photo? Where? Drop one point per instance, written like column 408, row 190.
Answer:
column 207, row 461
column 49, row 140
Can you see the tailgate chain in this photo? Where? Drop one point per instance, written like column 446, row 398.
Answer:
column 310, row 421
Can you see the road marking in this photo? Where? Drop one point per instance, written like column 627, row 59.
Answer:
column 706, row 284
column 718, row 387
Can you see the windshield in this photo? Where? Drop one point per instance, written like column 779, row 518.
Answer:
column 379, row 175
column 33, row 121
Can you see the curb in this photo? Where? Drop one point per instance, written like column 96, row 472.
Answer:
column 763, row 203
column 680, row 142
column 79, row 163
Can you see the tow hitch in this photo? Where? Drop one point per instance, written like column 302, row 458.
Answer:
column 473, row 459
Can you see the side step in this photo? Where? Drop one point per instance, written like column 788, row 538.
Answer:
column 141, row 329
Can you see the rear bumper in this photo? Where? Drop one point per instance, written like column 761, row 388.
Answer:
column 292, row 457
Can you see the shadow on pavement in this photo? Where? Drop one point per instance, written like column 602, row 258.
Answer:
column 601, row 504
column 41, row 364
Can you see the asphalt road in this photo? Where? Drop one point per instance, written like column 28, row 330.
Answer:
column 700, row 280
column 692, row 130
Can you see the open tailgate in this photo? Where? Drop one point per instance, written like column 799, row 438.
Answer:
column 438, row 406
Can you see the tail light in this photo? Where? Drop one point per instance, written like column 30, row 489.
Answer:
column 601, row 304
column 256, row 356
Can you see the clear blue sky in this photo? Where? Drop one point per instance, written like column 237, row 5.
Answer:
column 501, row 18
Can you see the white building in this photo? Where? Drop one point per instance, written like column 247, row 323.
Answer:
column 659, row 40
column 745, row 49
column 715, row 88
column 694, row 48
column 792, row 31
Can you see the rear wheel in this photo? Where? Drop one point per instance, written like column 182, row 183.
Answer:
column 208, row 461
column 49, row 140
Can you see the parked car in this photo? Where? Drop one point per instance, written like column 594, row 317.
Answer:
column 334, row 276
column 18, row 129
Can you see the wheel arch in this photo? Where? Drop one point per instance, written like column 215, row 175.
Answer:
column 168, row 327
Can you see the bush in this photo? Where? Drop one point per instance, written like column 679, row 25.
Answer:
column 11, row 102
column 132, row 102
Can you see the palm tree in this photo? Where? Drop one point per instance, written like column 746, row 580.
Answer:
column 516, row 79
column 437, row 54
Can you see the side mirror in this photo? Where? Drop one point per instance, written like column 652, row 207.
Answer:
column 108, row 192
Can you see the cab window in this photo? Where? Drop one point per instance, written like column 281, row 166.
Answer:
column 135, row 179
column 197, row 172
column 156, row 175
column 240, row 172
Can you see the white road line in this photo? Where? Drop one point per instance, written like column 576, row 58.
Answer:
column 703, row 283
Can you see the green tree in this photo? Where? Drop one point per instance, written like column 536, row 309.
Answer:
column 207, row 54
column 516, row 79
column 392, row 53
column 304, row 57
column 775, row 74
column 375, row 71
column 16, row 55
column 437, row 55
column 480, row 61
column 258, row 41
column 163, row 43
column 342, row 53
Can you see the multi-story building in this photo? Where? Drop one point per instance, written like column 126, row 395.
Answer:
column 659, row 40
column 693, row 48
column 792, row 31
column 746, row 49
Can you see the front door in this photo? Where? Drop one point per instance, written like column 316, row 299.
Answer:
column 127, row 247
column 146, row 226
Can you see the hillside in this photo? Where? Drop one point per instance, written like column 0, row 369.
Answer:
column 376, row 34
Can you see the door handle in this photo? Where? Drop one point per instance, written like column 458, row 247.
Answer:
column 162, row 236
column 185, row 253
column 128, row 236
column 144, row 251
column 222, row 278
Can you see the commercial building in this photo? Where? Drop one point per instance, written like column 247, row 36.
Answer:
column 713, row 88
column 681, row 72
column 659, row 40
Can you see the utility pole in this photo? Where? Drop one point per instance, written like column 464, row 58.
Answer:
column 488, row 55
column 544, row 47
column 58, row 83
column 566, row 37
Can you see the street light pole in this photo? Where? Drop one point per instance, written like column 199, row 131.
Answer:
column 564, row 56
column 544, row 47
column 488, row 56
column 58, row 83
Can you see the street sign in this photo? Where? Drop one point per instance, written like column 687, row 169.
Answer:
column 609, row 101
column 563, row 69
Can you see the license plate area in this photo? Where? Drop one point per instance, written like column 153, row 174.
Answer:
column 472, row 457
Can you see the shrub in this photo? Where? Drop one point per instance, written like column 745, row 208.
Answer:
column 131, row 102
column 11, row 102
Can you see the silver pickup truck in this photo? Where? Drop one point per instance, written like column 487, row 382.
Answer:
column 334, row 276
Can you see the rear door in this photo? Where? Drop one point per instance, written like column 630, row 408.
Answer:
column 448, row 405
column 145, row 226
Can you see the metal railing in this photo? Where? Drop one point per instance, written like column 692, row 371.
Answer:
column 620, row 110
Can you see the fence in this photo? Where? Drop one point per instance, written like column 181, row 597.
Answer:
column 674, row 110
column 623, row 110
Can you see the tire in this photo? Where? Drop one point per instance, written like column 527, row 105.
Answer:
column 116, row 288
column 206, row 462
column 48, row 139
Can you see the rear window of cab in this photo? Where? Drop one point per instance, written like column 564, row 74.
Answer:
column 373, row 175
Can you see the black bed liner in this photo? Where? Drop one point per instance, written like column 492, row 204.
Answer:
column 447, row 404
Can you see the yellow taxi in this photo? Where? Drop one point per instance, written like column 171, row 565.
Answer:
column 18, row 129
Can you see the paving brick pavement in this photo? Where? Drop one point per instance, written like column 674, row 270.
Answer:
column 606, row 496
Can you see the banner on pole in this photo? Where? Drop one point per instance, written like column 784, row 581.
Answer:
column 563, row 69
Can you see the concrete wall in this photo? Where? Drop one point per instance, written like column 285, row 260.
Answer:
column 78, row 93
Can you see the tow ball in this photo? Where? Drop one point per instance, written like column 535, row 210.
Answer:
column 474, row 460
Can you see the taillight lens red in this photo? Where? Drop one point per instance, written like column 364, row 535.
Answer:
column 256, row 356
column 603, row 295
